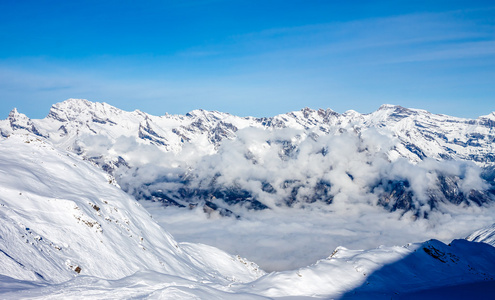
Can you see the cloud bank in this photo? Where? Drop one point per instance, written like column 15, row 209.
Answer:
column 288, row 239
column 296, row 168
column 298, row 195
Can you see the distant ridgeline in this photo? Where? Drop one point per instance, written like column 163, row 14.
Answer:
column 398, row 158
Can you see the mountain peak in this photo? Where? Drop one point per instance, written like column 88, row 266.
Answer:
column 77, row 101
column 69, row 109
column 19, row 121
column 78, row 109
column 490, row 116
column 396, row 112
column 74, row 104
column 15, row 115
column 351, row 113
column 389, row 106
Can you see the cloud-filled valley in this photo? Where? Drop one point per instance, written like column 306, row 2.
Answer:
column 285, row 191
column 247, row 150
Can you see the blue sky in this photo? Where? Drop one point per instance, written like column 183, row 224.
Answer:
column 258, row 58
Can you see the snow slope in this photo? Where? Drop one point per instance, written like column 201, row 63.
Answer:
column 484, row 235
column 62, row 217
column 140, row 285
column 384, row 271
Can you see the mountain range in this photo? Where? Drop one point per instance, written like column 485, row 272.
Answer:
column 67, row 230
column 398, row 158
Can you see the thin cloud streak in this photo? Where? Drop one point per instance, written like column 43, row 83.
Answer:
column 459, row 51
column 371, row 34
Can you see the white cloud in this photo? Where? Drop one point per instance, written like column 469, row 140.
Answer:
column 284, row 239
column 351, row 170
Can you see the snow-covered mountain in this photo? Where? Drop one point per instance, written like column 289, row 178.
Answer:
column 67, row 230
column 402, row 159
column 420, row 133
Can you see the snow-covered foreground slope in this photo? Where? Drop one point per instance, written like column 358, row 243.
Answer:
column 140, row 285
column 385, row 271
column 67, row 231
column 382, row 273
column 61, row 217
